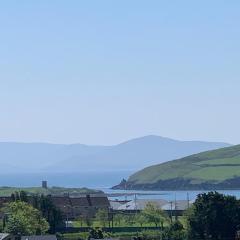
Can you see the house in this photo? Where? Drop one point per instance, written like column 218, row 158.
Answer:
column 170, row 207
column 83, row 205
column 177, row 208
column 72, row 206
column 140, row 204
column 115, row 204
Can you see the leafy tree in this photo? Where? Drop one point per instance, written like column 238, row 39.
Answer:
column 102, row 217
column 45, row 205
column 88, row 220
column 95, row 234
column 214, row 216
column 23, row 196
column 140, row 218
column 174, row 232
column 15, row 196
column 23, row 219
column 118, row 218
column 154, row 214
column 50, row 212
column 80, row 218
column 129, row 219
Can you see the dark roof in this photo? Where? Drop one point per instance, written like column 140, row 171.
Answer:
column 80, row 201
column 61, row 201
column 101, row 201
column 39, row 237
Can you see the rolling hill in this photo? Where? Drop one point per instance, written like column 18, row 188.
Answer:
column 130, row 155
column 216, row 169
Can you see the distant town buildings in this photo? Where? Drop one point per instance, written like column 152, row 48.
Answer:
column 171, row 207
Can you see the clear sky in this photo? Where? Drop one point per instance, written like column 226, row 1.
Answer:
column 101, row 72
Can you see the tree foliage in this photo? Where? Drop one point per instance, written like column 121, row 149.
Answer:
column 118, row 218
column 154, row 214
column 175, row 231
column 102, row 217
column 214, row 216
column 45, row 205
column 140, row 218
column 23, row 219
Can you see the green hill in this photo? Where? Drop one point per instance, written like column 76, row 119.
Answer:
column 217, row 169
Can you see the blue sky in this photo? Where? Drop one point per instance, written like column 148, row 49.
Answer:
column 101, row 72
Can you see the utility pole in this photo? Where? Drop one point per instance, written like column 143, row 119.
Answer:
column 171, row 213
column 135, row 202
column 176, row 217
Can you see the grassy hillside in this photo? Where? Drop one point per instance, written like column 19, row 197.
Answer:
column 7, row 191
column 212, row 169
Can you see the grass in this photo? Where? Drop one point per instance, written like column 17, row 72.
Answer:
column 215, row 162
column 97, row 224
column 75, row 236
column 216, row 166
column 84, row 235
column 7, row 191
column 124, row 234
column 219, row 173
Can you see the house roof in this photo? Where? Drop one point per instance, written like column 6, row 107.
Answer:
column 100, row 201
column 177, row 205
column 116, row 204
column 39, row 237
column 140, row 204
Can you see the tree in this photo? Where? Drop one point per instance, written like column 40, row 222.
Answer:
column 95, row 234
column 88, row 220
column 140, row 218
column 80, row 219
column 102, row 216
column 45, row 205
column 50, row 212
column 214, row 216
column 129, row 219
column 118, row 218
column 23, row 219
column 154, row 214
column 175, row 231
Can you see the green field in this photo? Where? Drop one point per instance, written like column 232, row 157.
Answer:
column 97, row 224
column 212, row 167
column 7, row 191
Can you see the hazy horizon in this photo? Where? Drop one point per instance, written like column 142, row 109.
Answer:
column 103, row 72
column 114, row 144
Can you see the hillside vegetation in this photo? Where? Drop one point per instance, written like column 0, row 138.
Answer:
column 216, row 169
column 7, row 191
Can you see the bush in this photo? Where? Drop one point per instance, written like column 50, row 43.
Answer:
column 174, row 232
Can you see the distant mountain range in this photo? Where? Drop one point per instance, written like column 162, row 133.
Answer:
column 131, row 155
column 211, row 170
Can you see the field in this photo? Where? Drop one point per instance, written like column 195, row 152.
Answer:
column 211, row 167
column 7, row 191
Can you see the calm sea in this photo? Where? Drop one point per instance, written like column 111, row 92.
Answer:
column 90, row 179
column 103, row 181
